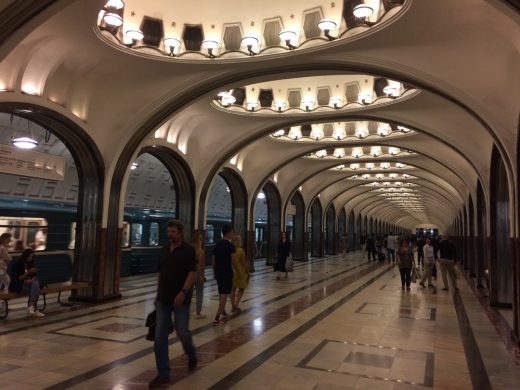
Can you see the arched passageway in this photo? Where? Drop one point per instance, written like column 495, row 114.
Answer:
column 297, row 231
column 342, row 236
column 316, row 228
column 90, row 240
column 330, row 230
column 352, row 231
column 269, row 221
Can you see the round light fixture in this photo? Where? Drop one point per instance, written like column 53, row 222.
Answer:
column 287, row 35
column 134, row 35
column 389, row 90
column 279, row 133
column 172, row 44
column 25, row 143
column 113, row 19
column 228, row 99
column 114, row 4
column 210, row 44
column 335, row 101
column 250, row 41
column 363, row 11
column 327, row 25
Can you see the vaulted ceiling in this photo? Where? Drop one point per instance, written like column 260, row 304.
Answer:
column 454, row 66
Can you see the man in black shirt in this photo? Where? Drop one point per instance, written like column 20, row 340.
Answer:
column 177, row 268
column 447, row 255
column 223, row 271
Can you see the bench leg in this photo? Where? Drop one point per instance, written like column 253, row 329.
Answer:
column 5, row 311
column 63, row 303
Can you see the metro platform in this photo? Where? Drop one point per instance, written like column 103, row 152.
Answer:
column 337, row 323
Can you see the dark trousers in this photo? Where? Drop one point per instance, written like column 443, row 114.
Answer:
column 406, row 276
column 420, row 256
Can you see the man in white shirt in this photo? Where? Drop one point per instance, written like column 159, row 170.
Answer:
column 391, row 246
column 429, row 261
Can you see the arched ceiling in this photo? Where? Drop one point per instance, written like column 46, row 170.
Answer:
column 458, row 93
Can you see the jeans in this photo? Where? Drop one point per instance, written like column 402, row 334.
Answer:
column 406, row 276
column 33, row 290
column 162, row 326
column 199, row 293
column 391, row 255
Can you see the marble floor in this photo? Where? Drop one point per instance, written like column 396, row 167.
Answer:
column 337, row 323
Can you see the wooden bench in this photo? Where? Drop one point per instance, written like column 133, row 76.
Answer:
column 49, row 289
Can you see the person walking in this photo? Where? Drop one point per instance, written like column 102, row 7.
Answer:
column 199, row 279
column 240, row 274
column 177, row 272
column 428, row 262
column 447, row 255
column 405, row 261
column 391, row 247
column 371, row 247
column 283, row 252
column 363, row 243
column 223, row 271
column 420, row 252
column 5, row 259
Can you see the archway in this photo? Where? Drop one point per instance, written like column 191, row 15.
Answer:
column 359, row 231
column 238, row 192
column 501, row 267
column 342, row 230
column 90, row 238
column 298, row 243
column 316, row 228
column 352, row 231
column 268, row 220
column 482, row 237
column 330, row 230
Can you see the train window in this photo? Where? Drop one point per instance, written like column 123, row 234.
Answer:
column 210, row 233
column 154, row 234
column 26, row 232
column 137, row 234
column 72, row 242
column 125, row 239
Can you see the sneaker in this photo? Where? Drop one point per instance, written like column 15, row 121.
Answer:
column 30, row 310
column 38, row 313
column 218, row 321
column 192, row 363
column 159, row 381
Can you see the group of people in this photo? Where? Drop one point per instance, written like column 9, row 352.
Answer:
column 21, row 276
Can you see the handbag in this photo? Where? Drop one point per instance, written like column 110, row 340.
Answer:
column 415, row 274
column 151, row 320
column 289, row 264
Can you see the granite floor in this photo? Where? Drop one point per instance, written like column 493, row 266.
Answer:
column 337, row 323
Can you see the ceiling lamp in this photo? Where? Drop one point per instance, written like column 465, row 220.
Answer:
column 114, row 4
column 252, row 105
column 369, row 166
column 113, row 20
column 394, row 151
column 339, row 152
column 335, row 101
column 321, row 153
column 134, row 166
column 317, row 132
column 354, row 166
column 380, row 176
column 400, row 165
column 134, row 35
column 279, row 133
column 375, row 151
column 384, row 165
column 383, row 130
column 23, row 142
column 366, row 176
column 340, row 167
column 280, row 105
column 260, row 195
column 228, row 99
column 365, row 97
column 210, row 45
column 403, row 129
column 250, row 42
column 287, row 36
column 172, row 44
column 362, row 11
column 357, row 152
column 326, row 25
column 361, row 132
column 339, row 132
column 295, row 133
column 308, row 103
column 390, row 90
column 392, row 175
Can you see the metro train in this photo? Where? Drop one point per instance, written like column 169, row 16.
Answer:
column 49, row 227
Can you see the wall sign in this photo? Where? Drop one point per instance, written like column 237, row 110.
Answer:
column 14, row 161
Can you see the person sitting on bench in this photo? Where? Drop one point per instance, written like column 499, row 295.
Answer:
column 24, row 281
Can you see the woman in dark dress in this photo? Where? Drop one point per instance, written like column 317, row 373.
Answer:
column 283, row 252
